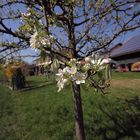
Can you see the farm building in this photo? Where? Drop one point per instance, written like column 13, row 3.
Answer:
column 127, row 55
column 39, row 66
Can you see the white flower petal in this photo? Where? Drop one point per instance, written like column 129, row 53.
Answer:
column 99, row 61
column 82, row 81
column 78, row 82
column 94, row 61
column 106, row 61
column 87, row 59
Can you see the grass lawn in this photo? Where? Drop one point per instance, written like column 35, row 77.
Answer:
column 40, row 113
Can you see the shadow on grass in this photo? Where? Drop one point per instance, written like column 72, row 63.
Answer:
column 36, row 86
column 33, row 82
column 117, row 122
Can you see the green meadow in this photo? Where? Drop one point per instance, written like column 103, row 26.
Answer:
column 39, row 112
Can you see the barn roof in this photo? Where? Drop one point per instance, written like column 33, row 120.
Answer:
column 129, row 47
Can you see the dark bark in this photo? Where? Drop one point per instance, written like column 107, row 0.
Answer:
column 78, row 112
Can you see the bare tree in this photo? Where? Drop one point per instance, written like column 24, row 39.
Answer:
column 80, row 27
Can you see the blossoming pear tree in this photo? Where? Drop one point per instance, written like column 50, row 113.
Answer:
column 69, row 31
column 78, row 72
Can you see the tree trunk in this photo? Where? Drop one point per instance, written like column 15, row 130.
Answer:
column 78, row 112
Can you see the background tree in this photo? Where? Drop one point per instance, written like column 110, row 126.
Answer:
column 76, row 27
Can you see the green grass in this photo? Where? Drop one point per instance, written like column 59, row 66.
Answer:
column 126, row 75
column 41, row 113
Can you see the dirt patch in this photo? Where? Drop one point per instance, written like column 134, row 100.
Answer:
column 126, row 83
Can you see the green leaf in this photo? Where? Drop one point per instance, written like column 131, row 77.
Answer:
column 55, row 65
column 26, row 27
column 112, row 2
column 43, row 55
column 99, row 3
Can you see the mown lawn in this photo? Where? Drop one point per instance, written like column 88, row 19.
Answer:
column 41, row 113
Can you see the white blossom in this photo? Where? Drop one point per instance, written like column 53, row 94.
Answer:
column 51, row 37
column 61, row 79
column 25, row 15
column 46, row 41
column 71, row 70
column 99, row 61
column 96, row 61
column 33, row 40
column 37, row 40
column 41, row 22
column 60, row 73
column 93, row 61
column 79, row 78
column 105, row 61
column 78, row 71
column 87, row 59
column 61, row 84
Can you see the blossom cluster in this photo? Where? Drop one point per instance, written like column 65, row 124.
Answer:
column 77, row 71
column 25, row 15
column 69, row 73
column 37, row 40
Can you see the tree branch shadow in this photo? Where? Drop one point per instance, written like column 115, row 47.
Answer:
column 36, row 86
column 117, row 122
column 126, row 120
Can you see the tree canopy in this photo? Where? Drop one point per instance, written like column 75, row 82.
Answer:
column 77, row 27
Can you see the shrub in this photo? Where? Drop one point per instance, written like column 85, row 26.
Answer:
column 2, row 77
column 9, row 71
column 18, row 79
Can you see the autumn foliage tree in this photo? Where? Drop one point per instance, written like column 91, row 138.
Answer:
column 69, row 31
